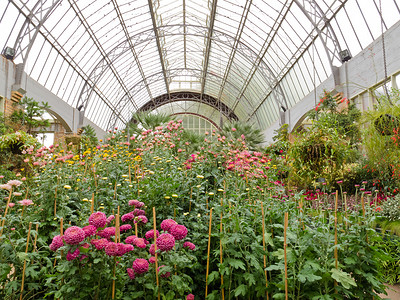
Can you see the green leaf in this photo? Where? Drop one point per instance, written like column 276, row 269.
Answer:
column 250, row 279
column 240, row 290
column 212, row 276
column 343, row 278
column 235, row 263
column 275, row 267
column 303, row 277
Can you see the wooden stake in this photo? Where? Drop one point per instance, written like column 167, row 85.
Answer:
column 336, row 251
column 208, row 251
column 284, row 250
column 92, row 204
column 5, row 212
column 362, row 205
column 115, row 259
column 265, row 258
column 26, row 251
column 155, row 249
column 220, row 254
column 136, row 229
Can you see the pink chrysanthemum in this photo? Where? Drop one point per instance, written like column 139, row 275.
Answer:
column 141, row 219
column 133, row 202
column 112, row 249
column 98, row 219
column 178, row 231
column 140, row 266
column 128, row 248
column 89, row 230
column 152, row 249
column 110, row 218
column 14, row 182
column 190, row 297
column 152, row 260
column 106, row 232
column 74, row 235
column 127, row 217
column 150, row 234
column 165, row 242
column 140, row 242
column 99, row 244
column 189, row 245
column 83, row 257
column 138, row 212
column 56, row 243
column 131, row 239
column 125, row 227
column 72, row 255
column 166, row 274
column 167, row 223
column 131, row 273
column 25, row 202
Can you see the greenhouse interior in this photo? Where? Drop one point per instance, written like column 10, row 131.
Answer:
column 199, row 149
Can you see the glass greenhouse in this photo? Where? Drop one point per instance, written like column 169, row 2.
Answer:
column 193, row 149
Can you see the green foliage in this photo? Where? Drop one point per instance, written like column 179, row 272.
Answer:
column 381, row 139
column 238, row 131
column 148, row 120
column 89, row 136
column 28, row 114
column 390, row 209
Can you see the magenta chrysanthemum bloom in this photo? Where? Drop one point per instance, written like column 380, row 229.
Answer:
column 106, row 232
column 98, row 219
column 110, row 218
column 100, row 244
column 140, row 266
column 150, row 234
column 167, row 223
column 74, row 235
column 127, row 217
column 141, row 219
column 128, row 248
column 133, row 202
column 138, row 212
column 73, row 255
column 189, row 245
column 112, row 249
column 166, row 274
column 125, row 227
column 131, row 273
column 152, row 249
column 83, row 257
column 190, row 297
column 152, row 260
column 131, row 239
column 56, row 243
column 139, row 242
column 178, row 231
column 165, row 242
column 89, row 230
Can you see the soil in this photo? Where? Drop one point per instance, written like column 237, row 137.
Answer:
column 393, row 292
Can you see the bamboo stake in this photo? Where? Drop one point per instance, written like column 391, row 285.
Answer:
column 155, row 249
column 92, row 204
column 190, row 201
column 220, row 254
column 208, row 251
column 362, row 205
column 5, row 213
column 26, row 251
column 55, row 197
column 345, row 209
column 36, row 234
column 265, row 258
column 284, row 250
column 336, row 241
column 136, row 229
column 115, row 259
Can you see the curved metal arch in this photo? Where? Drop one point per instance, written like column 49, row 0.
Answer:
column 322, row 24
column 198, row 115
column 155, row 78
column 167, row 30
column 190, row 96
column 40, row 13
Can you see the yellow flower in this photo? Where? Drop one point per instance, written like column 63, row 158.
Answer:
column 130, row 185
column 85, row 199
column 68, row 187
column 125, row 176
column 185, row 214
column 167, row 197
column 101, row 207
column 200, row 176
column 78, row 180
column 174, row 196
column 198, row 186
column 220, row 190
column 211, row 193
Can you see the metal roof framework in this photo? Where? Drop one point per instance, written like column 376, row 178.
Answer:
column 252, row 58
